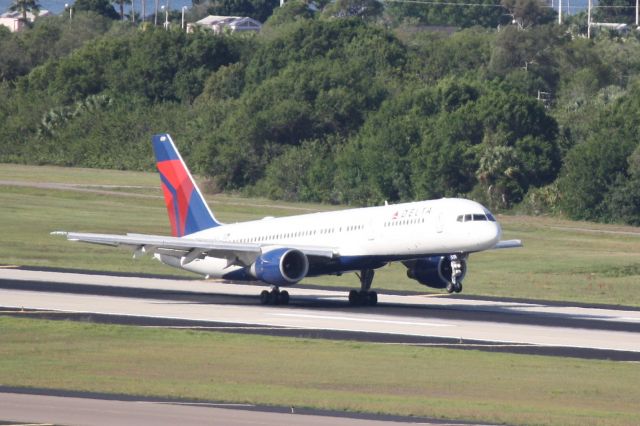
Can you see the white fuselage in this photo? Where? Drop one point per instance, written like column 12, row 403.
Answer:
column 390, row 232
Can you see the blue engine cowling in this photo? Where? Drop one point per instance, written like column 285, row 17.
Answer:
column 281, row 267
column 434, row 271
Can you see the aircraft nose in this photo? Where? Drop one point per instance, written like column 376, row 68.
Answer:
column 496, row 233
column 490, row 235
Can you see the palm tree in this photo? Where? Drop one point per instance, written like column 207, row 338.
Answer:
column 24, row 6
column 120, row 3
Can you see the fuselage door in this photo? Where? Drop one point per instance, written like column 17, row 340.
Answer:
column 372, row 226
column 439, row 222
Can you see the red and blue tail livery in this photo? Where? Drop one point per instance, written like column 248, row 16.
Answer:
column 187, row 209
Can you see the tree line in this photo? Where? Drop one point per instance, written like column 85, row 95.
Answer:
column 354, row 103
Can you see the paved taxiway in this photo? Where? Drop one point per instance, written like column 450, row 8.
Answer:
column 407, row 318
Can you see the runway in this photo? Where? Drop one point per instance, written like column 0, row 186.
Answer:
column 460, row 322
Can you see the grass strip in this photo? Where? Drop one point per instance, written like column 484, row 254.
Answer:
column 331, row 375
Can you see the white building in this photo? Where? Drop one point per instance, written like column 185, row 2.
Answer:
column 220, row 24
column 13, row 20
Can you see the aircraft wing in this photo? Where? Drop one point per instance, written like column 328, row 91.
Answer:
column 508, row 244
column 189, row 249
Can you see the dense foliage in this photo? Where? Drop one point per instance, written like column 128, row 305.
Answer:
column 332, row 106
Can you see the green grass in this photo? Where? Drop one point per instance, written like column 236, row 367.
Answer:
column 356, row 377
column 561, row 260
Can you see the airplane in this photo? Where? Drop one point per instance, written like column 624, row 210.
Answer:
column 433, row 239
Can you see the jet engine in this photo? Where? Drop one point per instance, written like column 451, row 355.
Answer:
column 281, row 267
column 434, row 271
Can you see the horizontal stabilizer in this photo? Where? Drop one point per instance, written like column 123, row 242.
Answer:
column 508, row 244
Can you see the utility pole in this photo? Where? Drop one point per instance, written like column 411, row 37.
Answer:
column 166, row 16
column 560, row 12
column 637, row 7
column 589, row 20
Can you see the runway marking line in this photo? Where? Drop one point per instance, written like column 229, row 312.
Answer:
column 433, row 295
column 377, row 321
column 31, row 424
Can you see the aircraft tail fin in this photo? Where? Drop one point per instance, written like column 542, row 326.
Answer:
column 188, row 211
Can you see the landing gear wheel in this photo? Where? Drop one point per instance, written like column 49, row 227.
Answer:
column 458, row 268
column 353, row 298
column 284, row 297
column 373, row 298
column 274, row 297
column 364, row 297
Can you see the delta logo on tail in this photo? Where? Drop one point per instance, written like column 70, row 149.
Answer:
column 187, row 209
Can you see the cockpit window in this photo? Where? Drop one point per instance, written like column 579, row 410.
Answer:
column 477, row 217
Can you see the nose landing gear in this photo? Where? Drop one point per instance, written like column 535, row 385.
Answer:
column 457, row 273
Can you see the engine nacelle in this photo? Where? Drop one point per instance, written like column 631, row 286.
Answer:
column 281, row 267
column 433, row 271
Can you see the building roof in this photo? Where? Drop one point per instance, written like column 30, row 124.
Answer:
column 212, row 20
column 30, row 16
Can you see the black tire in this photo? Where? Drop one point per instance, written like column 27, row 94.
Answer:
column 353, row 298
column 450, row 288
column 373, row 298
column 274, row 297
column 284, row 297
column 458, row 288
column 264, row 297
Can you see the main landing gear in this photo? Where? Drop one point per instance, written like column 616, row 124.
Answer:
column 274, row 297
column 364, row 297
column 457, row 271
